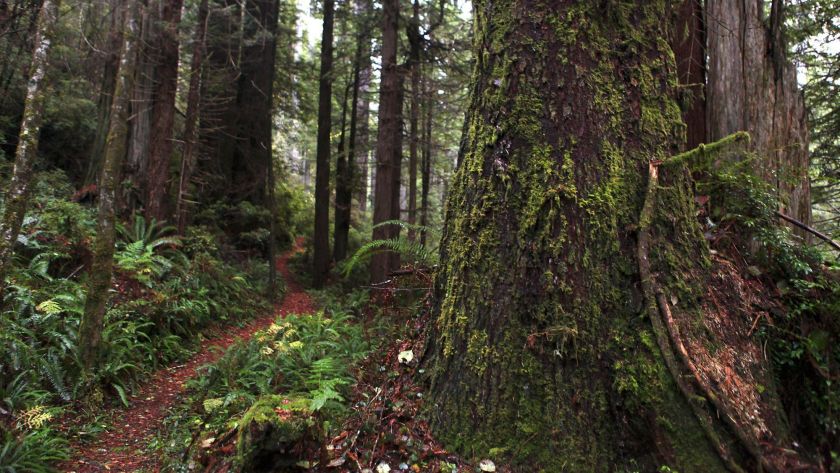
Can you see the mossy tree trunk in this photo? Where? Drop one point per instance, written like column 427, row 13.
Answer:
column 542, row 352
column 101, row 270
column 27, row 147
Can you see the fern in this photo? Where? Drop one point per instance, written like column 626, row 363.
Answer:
column 410, row 249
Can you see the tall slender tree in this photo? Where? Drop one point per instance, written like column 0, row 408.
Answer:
column 111, row 60
column 344, row 174
column 386, row 204
column 415, row 66
column 101, row 270
column 321, row 236
column 165, row 86
column 27, row 147
column 188, row 156
column 360, row 144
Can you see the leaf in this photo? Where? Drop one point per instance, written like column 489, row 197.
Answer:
column 487, row 465
column 405, row 357
column 121, row 392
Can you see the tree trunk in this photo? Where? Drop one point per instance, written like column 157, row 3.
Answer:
column 415, row 45
column 386, row 197
column 163, row 109
column 106, row 91
column 426, row 174
column 27, row 147
column 753, row 88
column 544, row 351
column 190, row 152
column 101, row 270
column 343, row 181
column 361, row 145
column 689, row 44
column 322, row 167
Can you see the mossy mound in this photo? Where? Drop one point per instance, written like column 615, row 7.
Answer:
column 272, row 434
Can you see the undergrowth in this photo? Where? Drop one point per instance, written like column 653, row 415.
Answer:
column 167, row 291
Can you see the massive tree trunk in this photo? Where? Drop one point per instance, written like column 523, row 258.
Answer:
column 190, row 152
column 163, row 108
column 27, row 147
column 752, row 87
column 567, row 272
column 386, row 197
column 321, row 236
column 101, row 270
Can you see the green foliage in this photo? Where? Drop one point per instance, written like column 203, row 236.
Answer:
column 411, row 250
column 307, row 356
column 31, row 452
column 802, row 339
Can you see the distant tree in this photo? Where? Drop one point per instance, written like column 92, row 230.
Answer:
column 165, row 86
column 17, row 195
column 321, row 236
column 190, row 150
column 386, row 197
column 102, row 267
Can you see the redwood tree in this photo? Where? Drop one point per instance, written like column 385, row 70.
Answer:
column 321, row 236
column 386, row 197
column 163, row 109
column 566, row 268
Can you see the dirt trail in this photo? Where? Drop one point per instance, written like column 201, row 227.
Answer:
column 121, row 448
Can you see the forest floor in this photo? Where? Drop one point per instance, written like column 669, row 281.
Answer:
column 122, row 446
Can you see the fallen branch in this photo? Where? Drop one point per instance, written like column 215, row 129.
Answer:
column 817, row 233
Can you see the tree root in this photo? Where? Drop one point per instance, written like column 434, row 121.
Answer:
column 669, row 340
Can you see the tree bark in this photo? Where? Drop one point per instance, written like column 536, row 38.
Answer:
column 752, row 87
column 426, row 174
column 190, row 151
column 165, row 86
column 415, row 51
column 106, row 91
column 136, row 163
column 542, row 352
column 27, row 147
column 101, row 270
column 344, row 179
column 386, row 198
column 321, row 235
column 361, row 145
column 688, row 41
column 267, row 135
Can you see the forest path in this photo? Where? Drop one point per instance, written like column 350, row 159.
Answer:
column 122, row 447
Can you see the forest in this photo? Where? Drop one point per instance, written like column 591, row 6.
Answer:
column 442, row 236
